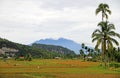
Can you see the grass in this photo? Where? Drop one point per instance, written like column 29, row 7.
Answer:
column 51, row 68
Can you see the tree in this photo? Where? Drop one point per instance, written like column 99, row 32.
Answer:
column 5, row 57
column 82, row 54
column 28, row 57
column 104, row 36
column 104, row 8
column 83, row 45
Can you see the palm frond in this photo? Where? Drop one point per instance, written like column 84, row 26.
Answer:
column 114, row 41
column 94, row 39
column 97, row 11
column 111, row 26
column 108, row 11
column 118, row 35
column 98, row 43
column 106, row 16
column 97, row 35
column 109, row 42
column 111, row 33
column 106, row 6
column 101, row 24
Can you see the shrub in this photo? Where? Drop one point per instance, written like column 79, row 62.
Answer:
column 28, row 57
column 115, row 65
column 94, row 60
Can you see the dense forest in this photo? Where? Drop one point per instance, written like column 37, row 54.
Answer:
column 53, row 48
column 38, row 51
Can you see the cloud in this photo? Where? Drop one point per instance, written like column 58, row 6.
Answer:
column 25, row 21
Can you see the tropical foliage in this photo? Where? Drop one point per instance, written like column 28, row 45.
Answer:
column 104, row 8
column 105, row 35
column 46, row 51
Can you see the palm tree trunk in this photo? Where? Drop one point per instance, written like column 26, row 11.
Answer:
column 105, row 59
column 102, row 16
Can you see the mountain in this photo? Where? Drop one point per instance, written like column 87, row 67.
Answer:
column 72, row 45
column 53, row 48
column 23, row 49
column 46, row 51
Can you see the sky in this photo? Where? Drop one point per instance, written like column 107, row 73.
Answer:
column 25, row 21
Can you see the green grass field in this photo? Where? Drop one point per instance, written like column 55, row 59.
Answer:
column 51, row 68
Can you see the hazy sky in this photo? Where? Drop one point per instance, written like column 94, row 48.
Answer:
column 25, row 21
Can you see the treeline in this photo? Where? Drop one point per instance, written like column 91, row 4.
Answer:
column 64, row 52
column 106, row 36
column 33, row 50
column 90, row 54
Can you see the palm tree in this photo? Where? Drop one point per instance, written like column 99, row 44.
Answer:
column 83, row 45
column 104, row 8
column 104, row 37
column 82, row 53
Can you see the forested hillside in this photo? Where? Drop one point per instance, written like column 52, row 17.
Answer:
column 33, row 50
column 53, row 48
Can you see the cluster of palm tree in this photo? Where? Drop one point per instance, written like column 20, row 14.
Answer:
column 89, row 54
column 105, row 34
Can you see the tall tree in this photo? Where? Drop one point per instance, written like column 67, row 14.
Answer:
column 104, row 36
column 82, row 54
column 104, row 8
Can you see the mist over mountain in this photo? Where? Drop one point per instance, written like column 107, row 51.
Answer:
column 72, row 45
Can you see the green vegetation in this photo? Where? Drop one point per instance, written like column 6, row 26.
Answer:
column 63, row 52
column 51, row 68
column 89, row 54
column 104, row 35
column 37, row 51
column 37, row 60
column 28, row 57
column 104, row 8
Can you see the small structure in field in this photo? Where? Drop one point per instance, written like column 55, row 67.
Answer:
column 57, row 57
column 89, row 57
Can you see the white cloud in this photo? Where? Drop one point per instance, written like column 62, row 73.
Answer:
column 25, row 21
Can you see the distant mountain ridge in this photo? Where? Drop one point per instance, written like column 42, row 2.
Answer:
column 37, row 51
column 72, row 45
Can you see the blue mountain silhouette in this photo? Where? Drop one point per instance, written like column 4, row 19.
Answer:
column 72, row 45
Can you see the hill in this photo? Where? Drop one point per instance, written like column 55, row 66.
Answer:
column 53, row 48
column 33, row 50
column 72, row 45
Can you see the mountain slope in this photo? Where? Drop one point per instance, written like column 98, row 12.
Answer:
column 53, row 48
column 34, row 50
column 61, row 42
column 23, row 49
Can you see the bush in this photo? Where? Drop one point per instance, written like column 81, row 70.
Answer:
column 115, row 65
column 28, row 57
column 20, row 59
column 94, row 60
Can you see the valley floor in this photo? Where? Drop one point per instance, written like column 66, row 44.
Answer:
column 51, row 68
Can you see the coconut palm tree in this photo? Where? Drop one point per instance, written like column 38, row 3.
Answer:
column 104, row 37
column 104, row 8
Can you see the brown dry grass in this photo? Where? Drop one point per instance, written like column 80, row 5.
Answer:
column 54, row 69
column 87, row 76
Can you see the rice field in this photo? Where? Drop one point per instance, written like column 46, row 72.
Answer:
column 52, row 68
